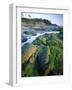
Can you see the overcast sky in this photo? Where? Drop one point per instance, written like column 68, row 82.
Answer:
column 54, row 18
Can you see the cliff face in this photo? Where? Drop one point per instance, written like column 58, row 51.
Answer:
column 35, row 22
